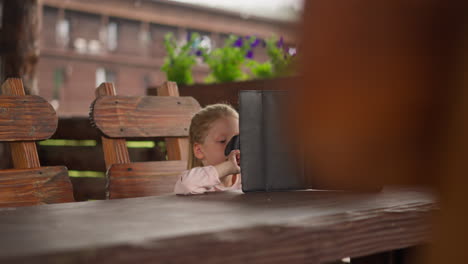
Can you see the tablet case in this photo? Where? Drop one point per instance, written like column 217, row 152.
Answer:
column 267, row 160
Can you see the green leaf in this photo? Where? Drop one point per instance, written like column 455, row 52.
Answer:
column 179, row 61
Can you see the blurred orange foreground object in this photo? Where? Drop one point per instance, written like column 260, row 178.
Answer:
column 382, row 101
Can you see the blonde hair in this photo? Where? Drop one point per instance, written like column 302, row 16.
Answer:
column 201, row 123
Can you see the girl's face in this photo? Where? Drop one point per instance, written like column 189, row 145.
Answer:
column 211, row 151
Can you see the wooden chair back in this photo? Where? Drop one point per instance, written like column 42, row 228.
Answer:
column 121, row 117
column 25, row 119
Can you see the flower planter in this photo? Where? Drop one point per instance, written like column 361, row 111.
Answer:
column 228, row 92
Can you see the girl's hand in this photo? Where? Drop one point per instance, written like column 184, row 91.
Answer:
column 234, row 158
column 230, row 166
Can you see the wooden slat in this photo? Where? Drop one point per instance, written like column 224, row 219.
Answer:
column 140, row 179
column 24, row 118
column 144, row 116
column 13, row 86
column 25, row 187
column 168, row 89
column 115, row 150
column 177, row 148
column 24, row 154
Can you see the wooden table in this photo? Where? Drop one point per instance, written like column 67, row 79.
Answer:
column 230, row 227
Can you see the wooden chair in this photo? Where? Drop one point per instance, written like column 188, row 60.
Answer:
column 25, row 119
column 120, row 117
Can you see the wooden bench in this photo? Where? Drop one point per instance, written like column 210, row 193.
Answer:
column 121, row 117
column 25, row 119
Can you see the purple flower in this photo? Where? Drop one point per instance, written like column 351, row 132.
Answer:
column 238, row 42
column 280, row 43
column 189, row 36
column 249, row 54
column 255, row 43
column 199, row 53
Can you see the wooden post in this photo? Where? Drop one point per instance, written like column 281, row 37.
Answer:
column 19, row 42
column 115, row 150
column 177, row 148
column 24, row 154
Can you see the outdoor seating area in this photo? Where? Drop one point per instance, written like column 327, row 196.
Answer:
column 314, row 224
column 123, row 125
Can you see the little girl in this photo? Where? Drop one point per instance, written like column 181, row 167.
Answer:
column 208, row 169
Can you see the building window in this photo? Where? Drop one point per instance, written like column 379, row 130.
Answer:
column 63, row 31
column 59, row 80
column 112, row 36
column 147, row 82
column 144, row 37
column 104, row 75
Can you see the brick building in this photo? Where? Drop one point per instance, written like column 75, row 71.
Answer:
column 86, row 42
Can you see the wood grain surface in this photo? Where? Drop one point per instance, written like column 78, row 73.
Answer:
column 23, row 153
column 25, row 187
column 177, row 148
column 140, row 179
column 145, row 116
column 115, row 149
column 26, row 118
column 229, row 227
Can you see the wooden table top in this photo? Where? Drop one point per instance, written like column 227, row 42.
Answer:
column 233, row 227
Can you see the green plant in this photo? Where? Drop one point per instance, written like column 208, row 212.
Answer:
column 280, row 63
column 226, row 63
column 179, row 60
column 261, row 70
column 282, row 60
